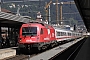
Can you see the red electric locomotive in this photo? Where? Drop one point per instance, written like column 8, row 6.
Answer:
column 36, row 35
column 40, row 35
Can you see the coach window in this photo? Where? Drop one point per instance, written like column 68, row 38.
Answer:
column 61, row 33
column 68, row 34
column 58, row 33
column 64, row 33
column 41, row 32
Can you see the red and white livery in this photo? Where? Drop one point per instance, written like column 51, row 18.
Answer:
column 40, row 35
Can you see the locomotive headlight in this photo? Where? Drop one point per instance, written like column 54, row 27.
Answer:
column 19, row 39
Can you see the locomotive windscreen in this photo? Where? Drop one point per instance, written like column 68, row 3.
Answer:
column 29, row 31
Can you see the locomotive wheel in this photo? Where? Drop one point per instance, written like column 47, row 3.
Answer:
column 52, row 45
column 36, row 49
column 39, row 48
column 44, row 47
column 56, row 43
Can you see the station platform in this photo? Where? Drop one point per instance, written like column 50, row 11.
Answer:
column 55, row 51
column 84, row 53
column 7, row 52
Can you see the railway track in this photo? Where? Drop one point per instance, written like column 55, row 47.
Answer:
column 22, row 55
column 70, row 53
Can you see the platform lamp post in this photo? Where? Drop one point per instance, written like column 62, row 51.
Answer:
column 0, row 5
column 49, row 15
column 0, row 25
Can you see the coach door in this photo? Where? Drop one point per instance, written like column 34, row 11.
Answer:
column 41, row 34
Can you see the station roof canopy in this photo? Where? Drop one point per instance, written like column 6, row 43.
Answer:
column 84, row 10
column 8, row 19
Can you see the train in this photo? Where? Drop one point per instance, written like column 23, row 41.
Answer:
column 38, row 35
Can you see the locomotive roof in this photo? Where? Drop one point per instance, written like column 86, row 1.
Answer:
column 37, row 22
column 42, row 23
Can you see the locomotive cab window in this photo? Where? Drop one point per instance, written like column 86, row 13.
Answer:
column 29, row 31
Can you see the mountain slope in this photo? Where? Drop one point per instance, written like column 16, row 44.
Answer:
column 31, row 8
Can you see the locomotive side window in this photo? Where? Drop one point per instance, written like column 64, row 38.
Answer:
column 41, row 32
column 31, row 31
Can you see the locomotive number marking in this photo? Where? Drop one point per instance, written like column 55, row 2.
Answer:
column 46, row 38
column 29, row 41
